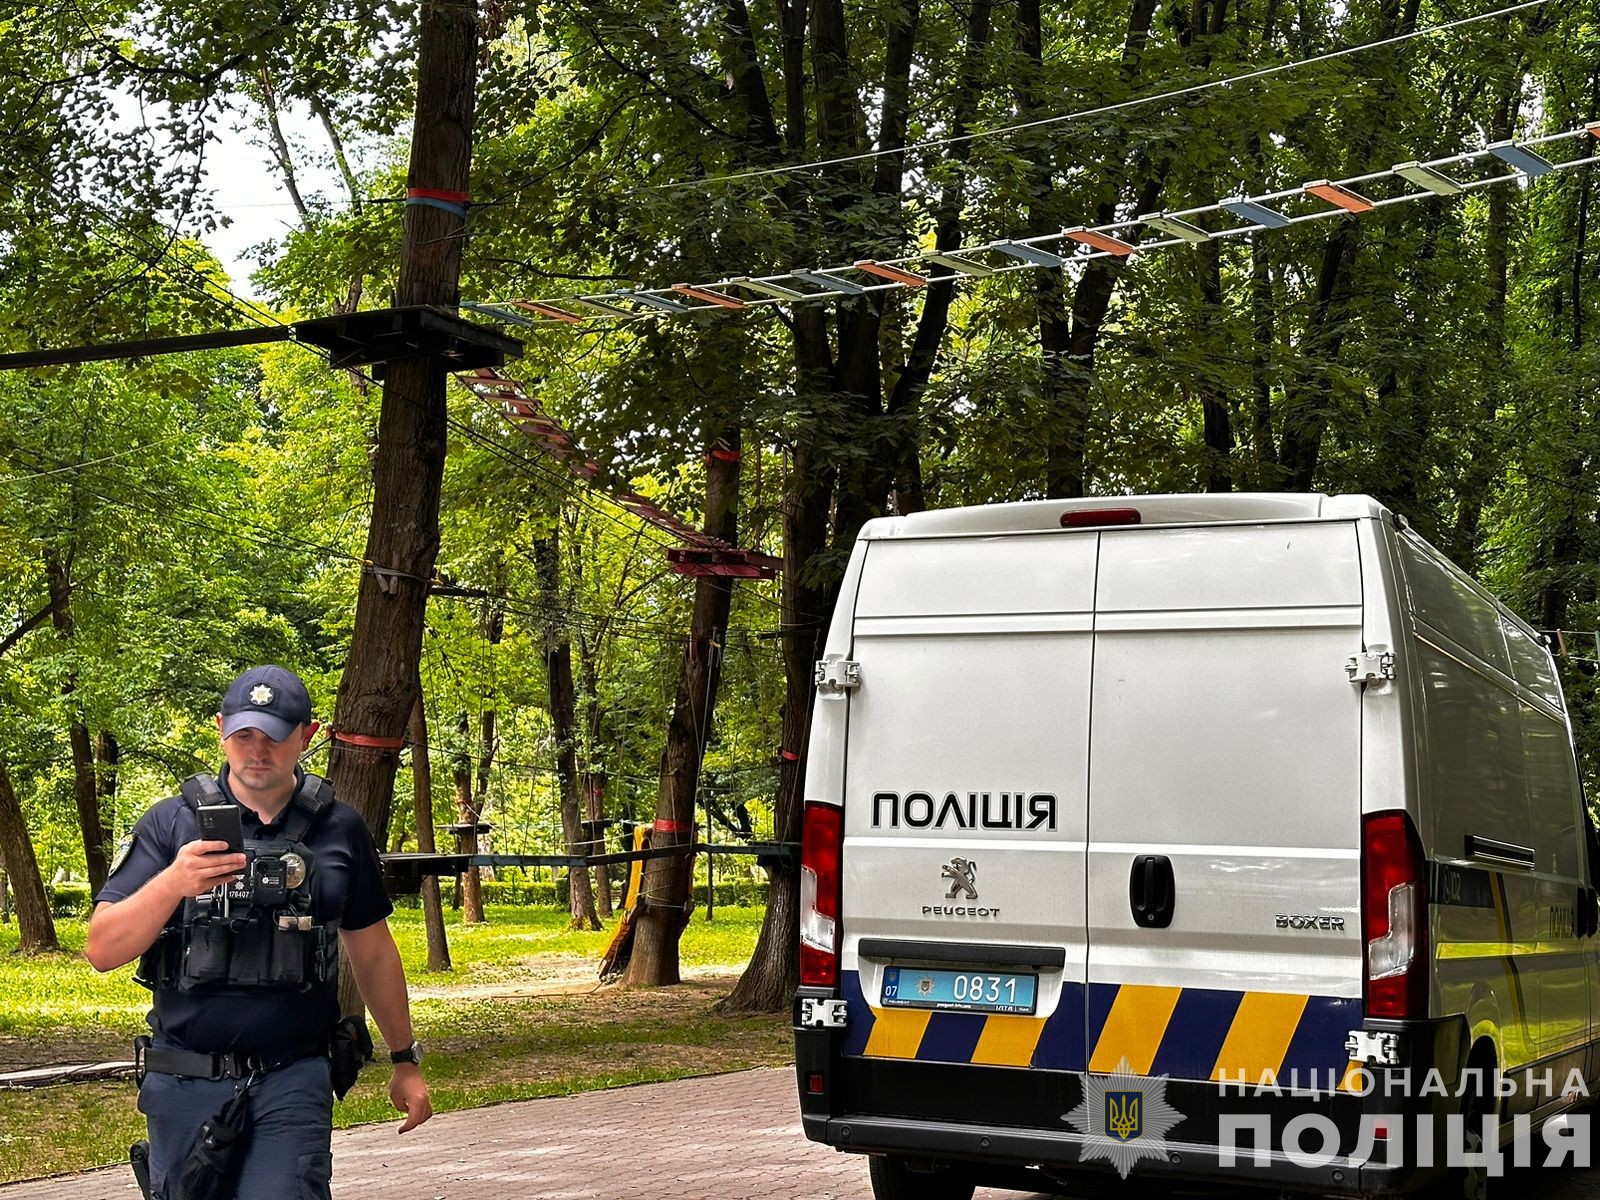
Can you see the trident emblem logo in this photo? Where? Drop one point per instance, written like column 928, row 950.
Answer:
column 963, row 874
column 1124, row 1115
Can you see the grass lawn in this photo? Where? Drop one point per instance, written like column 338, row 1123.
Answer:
column 497, row 1027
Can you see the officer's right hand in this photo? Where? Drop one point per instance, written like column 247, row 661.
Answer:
column 201, row 866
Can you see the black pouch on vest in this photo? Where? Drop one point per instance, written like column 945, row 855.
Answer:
column 250, row 960
column 205, row 958
column 211, row 1169
column 289, row 956
column 350, row 1048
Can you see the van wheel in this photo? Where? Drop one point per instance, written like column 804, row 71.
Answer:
column 893, row 1179
column 1468, row 1183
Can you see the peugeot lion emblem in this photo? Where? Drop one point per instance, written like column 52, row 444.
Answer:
column 963, row 876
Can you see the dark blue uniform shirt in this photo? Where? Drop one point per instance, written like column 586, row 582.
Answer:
column 348, row 888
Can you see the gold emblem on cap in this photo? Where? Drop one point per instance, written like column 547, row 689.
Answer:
column 261, row 694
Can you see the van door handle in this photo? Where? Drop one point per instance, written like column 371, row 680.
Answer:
column 1151, row 892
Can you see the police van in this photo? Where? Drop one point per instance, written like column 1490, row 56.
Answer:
column 1166, row 828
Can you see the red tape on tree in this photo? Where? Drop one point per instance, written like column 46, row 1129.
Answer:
column 369, row 742
column 451, row 202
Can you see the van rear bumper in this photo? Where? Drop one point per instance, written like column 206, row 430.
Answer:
column 997, row 1123
column 1056, row 1153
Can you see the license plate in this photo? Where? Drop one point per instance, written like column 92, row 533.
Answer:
column 959, row 991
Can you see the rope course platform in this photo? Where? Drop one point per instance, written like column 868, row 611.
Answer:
column 366, row 339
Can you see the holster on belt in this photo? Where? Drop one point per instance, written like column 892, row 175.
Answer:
column 350, row 1048
column 139, row 1160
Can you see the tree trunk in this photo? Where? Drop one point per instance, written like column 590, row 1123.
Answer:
column 905, row 399
column 592, row 774
column 1217, row 473
column 1306, row 416
column 1263, row 335
column 470, row 893
column 280, row 146
column 1483, row 459
column 379, row 687
column 595, row 806
column 35, row 927
column 109, row 755
column 1311, row 401
column 1049, row 288
column 422, row 801
column 1567, row 564
column 564, row 722
column 1069, row 375
column 769, row 981
column 494, row 627
column 664, row 892
column 85, row 788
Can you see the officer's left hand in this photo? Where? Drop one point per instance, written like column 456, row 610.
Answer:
column 408, row 1092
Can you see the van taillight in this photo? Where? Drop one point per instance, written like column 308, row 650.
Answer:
column 1394, row 916
column 1085, row 518
column 820, row 845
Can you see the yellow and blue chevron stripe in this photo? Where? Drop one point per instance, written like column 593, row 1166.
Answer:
column 1184, row 1033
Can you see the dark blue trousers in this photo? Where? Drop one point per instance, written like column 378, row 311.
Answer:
column 291, row 1111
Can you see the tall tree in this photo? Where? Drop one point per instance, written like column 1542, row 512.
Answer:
column 85, row 790
column 378, row 690
column 564, row 721
column 422, row 800
column 664, row 892
column 469, row 893
column 36, row 928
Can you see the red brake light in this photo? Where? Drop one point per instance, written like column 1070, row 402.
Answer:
column 1084, row 518
column 820, row 846
column 1394, row 916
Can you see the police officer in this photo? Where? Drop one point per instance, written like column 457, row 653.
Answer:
column 211, row 1034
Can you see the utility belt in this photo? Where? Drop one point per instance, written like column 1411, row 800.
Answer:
column 251, row 951
column 230, row 1064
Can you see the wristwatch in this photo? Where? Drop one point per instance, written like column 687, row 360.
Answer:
column 411, row 1054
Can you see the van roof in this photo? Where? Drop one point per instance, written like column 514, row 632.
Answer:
column 1201, row 508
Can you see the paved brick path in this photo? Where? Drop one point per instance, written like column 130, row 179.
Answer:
column 723, row 1137
column 726, row 1137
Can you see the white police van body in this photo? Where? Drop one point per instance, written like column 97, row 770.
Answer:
column 1212, row 788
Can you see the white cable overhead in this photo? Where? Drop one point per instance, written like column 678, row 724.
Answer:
column 1326, row 199
column 1082, row 114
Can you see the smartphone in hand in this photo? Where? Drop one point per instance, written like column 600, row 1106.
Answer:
column 220, row 823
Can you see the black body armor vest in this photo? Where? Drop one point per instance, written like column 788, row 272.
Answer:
column 261, row 930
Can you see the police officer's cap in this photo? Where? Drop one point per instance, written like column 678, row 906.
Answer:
column 268, row 698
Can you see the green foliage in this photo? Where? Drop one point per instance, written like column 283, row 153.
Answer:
column 69, row 900
column 213, row 508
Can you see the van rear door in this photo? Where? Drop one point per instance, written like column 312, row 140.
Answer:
column 1224, row 808
column 965, row 796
